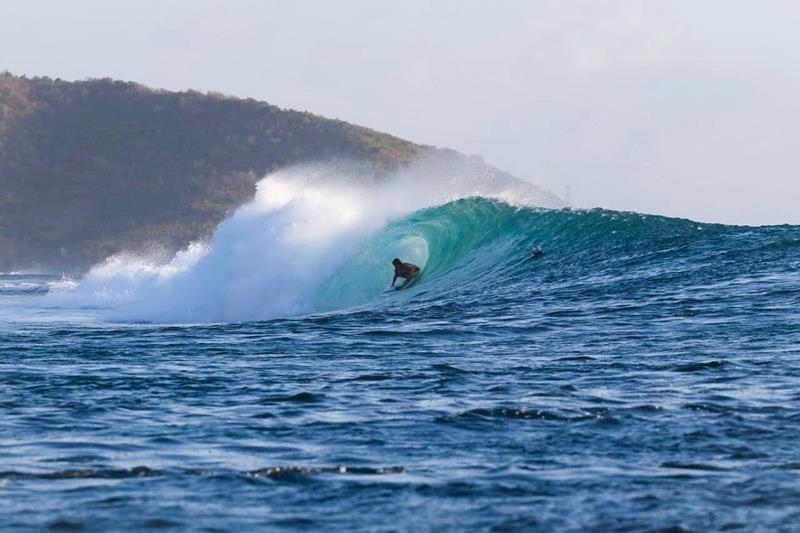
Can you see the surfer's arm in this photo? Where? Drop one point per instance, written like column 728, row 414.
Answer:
column 394, row 279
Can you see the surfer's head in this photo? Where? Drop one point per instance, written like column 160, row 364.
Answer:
column 396, row 262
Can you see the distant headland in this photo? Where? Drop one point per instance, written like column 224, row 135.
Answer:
column 91, row 168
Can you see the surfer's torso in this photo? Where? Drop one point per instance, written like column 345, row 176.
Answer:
column 406, row 270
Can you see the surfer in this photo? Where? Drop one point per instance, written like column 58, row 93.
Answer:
column 537, row 253
column 404, row 270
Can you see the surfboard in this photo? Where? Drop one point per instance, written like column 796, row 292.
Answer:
column 391, row 290
column 407, row 282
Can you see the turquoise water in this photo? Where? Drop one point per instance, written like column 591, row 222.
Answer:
column 642, row 375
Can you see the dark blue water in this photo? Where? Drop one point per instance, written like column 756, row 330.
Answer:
column 642, row 375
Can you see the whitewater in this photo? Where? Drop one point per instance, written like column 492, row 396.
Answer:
column 314, row 238
column 640, row 376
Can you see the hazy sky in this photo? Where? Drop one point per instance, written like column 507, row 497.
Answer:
column 685, row 108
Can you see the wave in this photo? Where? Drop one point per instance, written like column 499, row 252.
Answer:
column 20, row 283
column 313, row 239
column 309, row 243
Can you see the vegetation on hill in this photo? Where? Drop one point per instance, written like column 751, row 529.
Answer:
column 90, row 168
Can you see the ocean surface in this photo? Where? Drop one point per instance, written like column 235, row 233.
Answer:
column 641, row 376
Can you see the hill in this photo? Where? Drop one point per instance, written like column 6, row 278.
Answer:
column 90, row 168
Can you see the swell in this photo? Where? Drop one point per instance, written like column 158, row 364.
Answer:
column 475, row 244
column 305, row 249
column 273, row 472
column 19, row 284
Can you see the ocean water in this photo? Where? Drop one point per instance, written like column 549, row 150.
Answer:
column 641, row 376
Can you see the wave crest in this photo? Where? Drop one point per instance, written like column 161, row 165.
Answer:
column 311, row 240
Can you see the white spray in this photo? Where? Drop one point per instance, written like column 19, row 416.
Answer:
column 272, row 255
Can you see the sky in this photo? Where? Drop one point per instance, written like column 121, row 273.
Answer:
column 683, row 108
